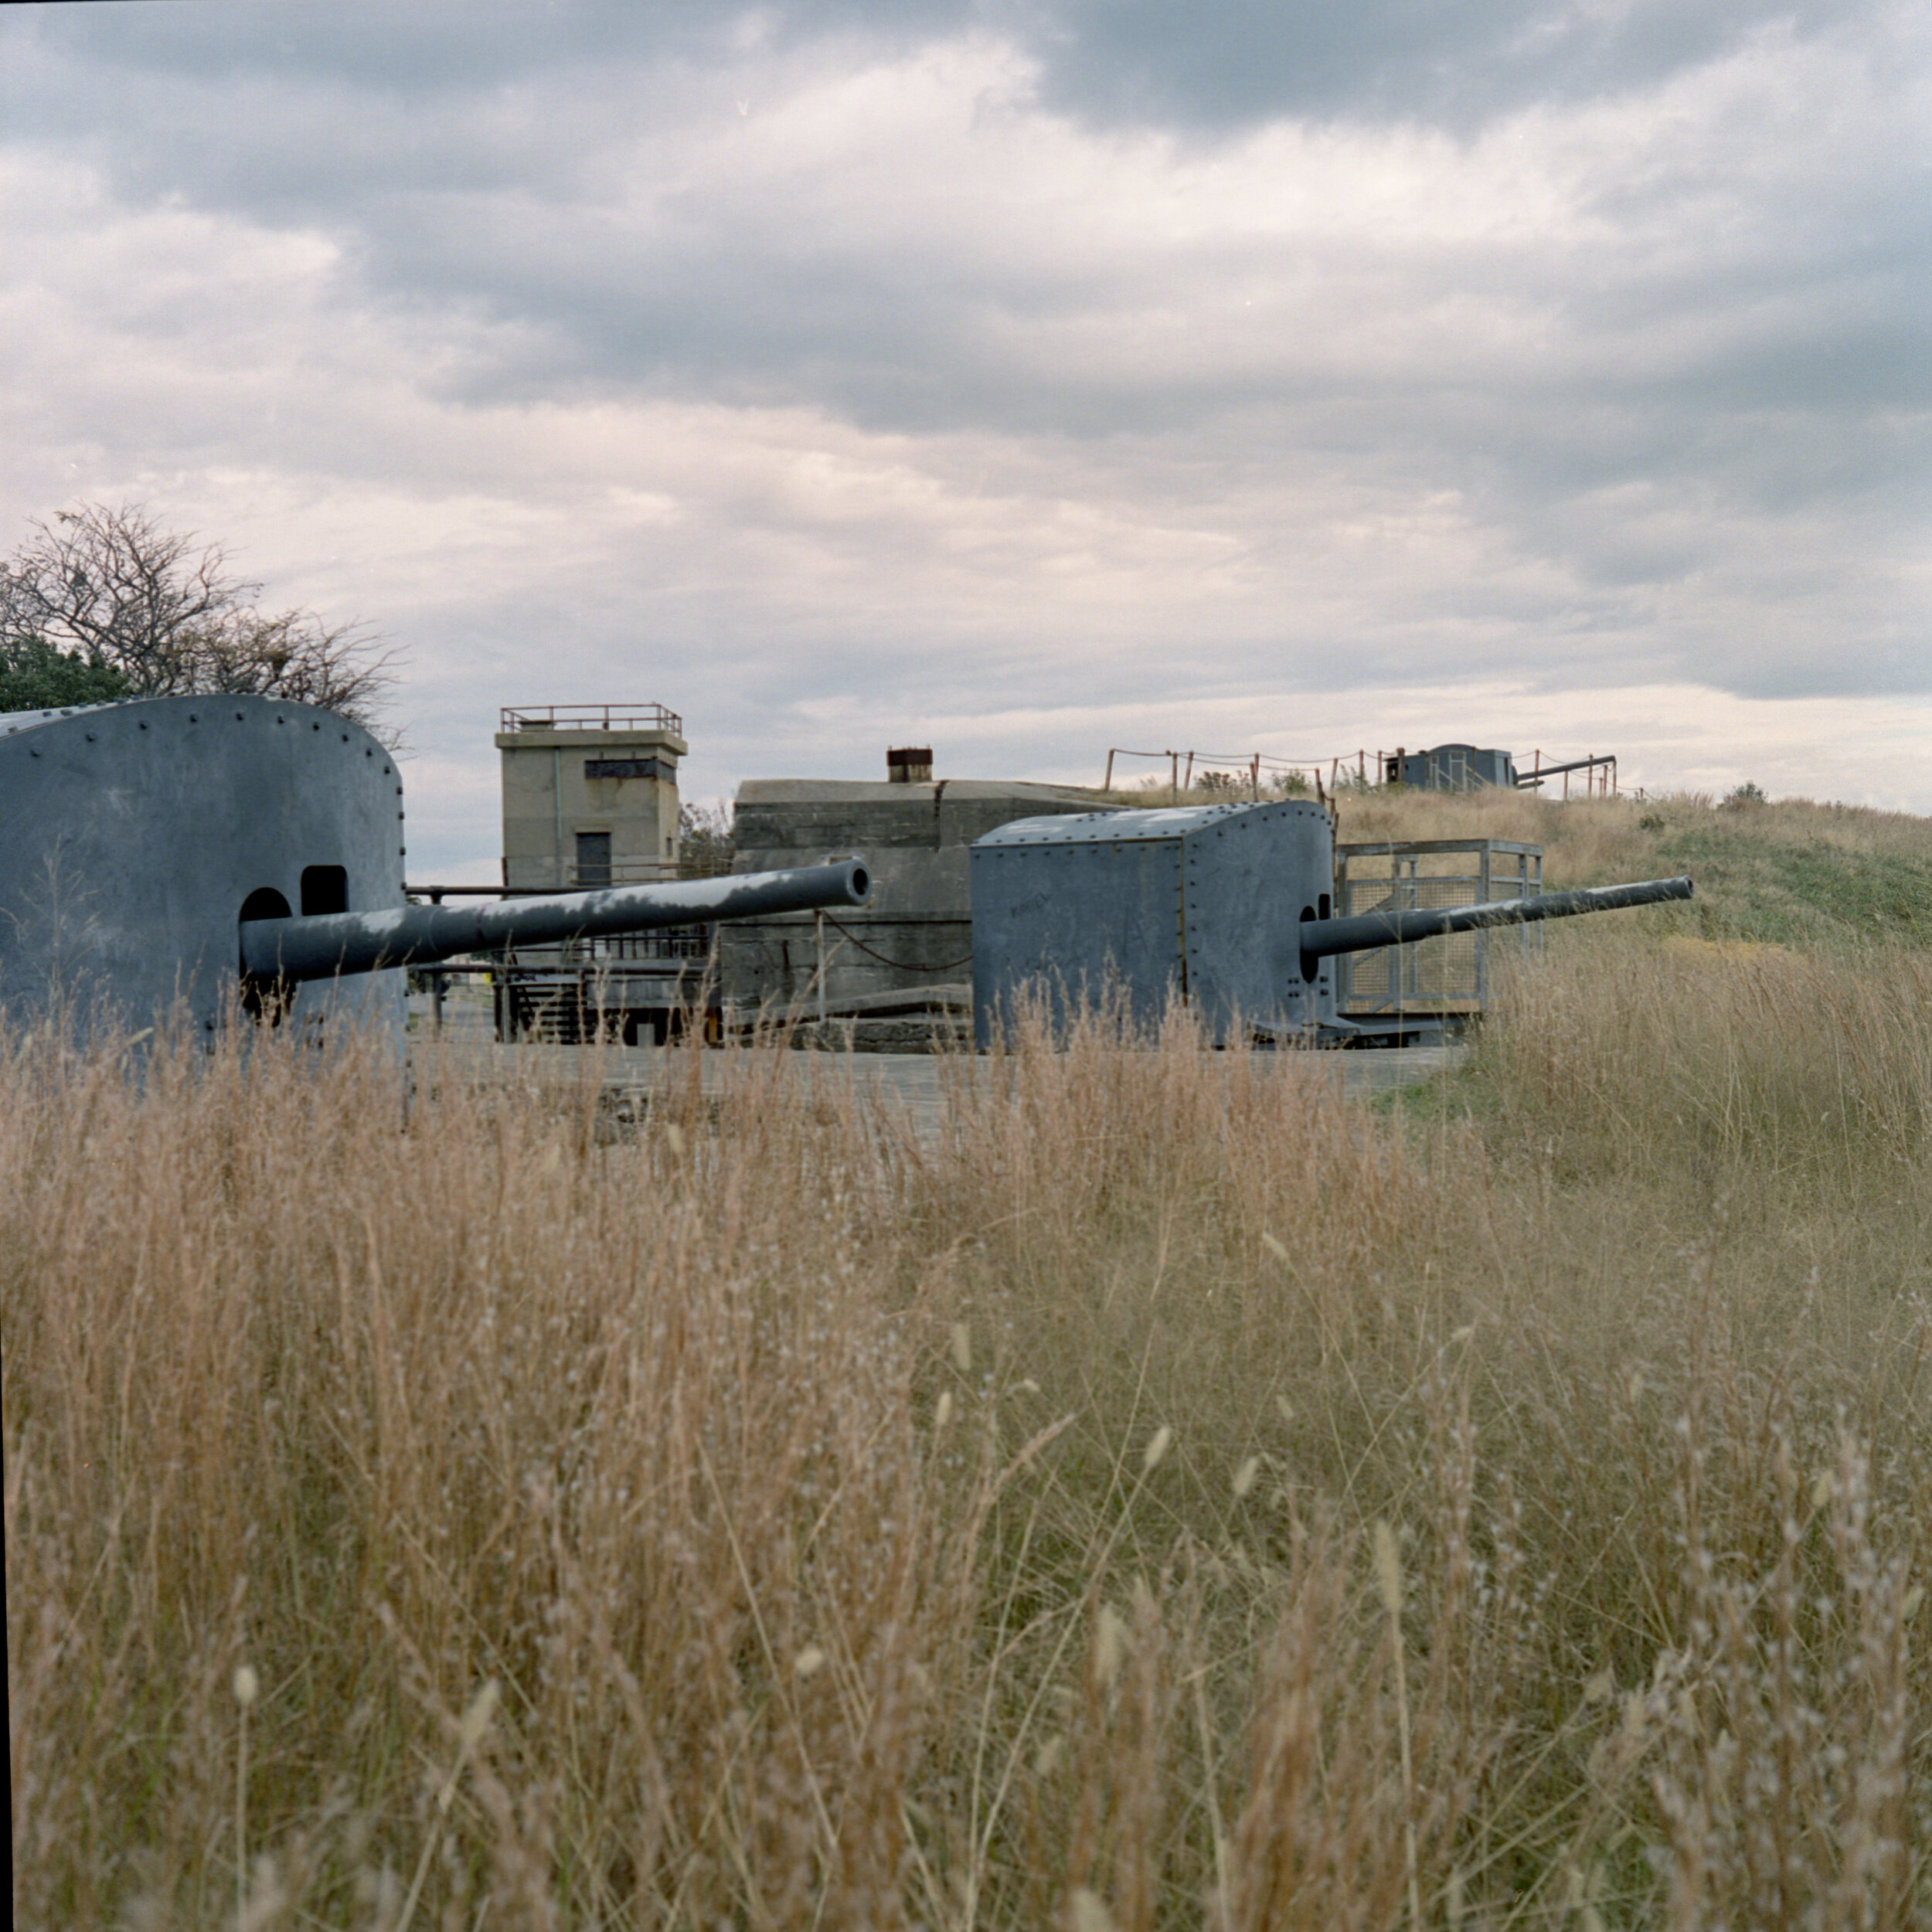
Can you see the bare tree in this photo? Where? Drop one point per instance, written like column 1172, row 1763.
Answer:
column 164, row 611
column 707, row 840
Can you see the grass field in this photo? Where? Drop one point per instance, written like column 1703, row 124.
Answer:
column 1171, row 1497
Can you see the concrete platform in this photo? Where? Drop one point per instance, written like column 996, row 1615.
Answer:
column 918, row 1083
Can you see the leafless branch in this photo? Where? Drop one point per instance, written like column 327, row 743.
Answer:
column 165, row 611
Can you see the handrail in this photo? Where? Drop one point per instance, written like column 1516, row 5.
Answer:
column 590, row 717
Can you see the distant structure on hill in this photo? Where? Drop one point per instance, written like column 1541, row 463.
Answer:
column 1474, row 768
column 1449, row 768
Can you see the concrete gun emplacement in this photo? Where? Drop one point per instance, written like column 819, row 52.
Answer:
column 168, row 855
column 1228, row 908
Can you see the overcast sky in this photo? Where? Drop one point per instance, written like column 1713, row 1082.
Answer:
column 1026, row 376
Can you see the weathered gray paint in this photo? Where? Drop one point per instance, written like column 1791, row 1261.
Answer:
column 130, row 834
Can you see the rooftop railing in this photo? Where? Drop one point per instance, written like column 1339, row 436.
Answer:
column 591, row 717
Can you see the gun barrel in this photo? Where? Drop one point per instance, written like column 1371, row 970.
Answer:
column 321, row 946
column 1527, row 781
column 1362, row 932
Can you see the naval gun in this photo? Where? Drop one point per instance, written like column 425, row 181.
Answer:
column 1228, row 908
column 164, row 855
column 290, row 950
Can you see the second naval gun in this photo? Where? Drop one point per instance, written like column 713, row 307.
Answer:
column 1229, row 908
column 202, row 856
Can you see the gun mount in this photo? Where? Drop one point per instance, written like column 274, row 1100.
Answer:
column 181, row 852
column 1229, row 908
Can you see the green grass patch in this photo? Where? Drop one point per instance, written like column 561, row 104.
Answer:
column 1798, row 893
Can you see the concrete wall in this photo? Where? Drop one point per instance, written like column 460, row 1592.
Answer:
column 549, row 799
column 914, row 942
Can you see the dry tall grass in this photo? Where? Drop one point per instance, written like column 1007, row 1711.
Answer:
column 1170, row 1496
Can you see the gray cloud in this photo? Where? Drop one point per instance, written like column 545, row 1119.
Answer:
column 1234, row 62
column 1454, row 63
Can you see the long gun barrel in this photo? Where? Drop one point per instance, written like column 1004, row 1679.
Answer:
column 1362, row 931
column 322, row 946
column 1529, row 780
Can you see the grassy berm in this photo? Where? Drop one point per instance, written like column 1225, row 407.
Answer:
column 1171, row 1496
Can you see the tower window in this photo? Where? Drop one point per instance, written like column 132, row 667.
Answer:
column 625, row 768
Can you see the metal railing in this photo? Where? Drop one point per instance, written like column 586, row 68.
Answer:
column 619, row 871
column 1449, row 974
column 590, row 717
column 578, row 1003
column 670, row 942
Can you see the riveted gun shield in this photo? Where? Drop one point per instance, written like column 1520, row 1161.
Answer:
column 1228, row 908
column 190, row 857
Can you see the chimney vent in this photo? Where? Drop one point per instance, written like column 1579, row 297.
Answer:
column 910, row 765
